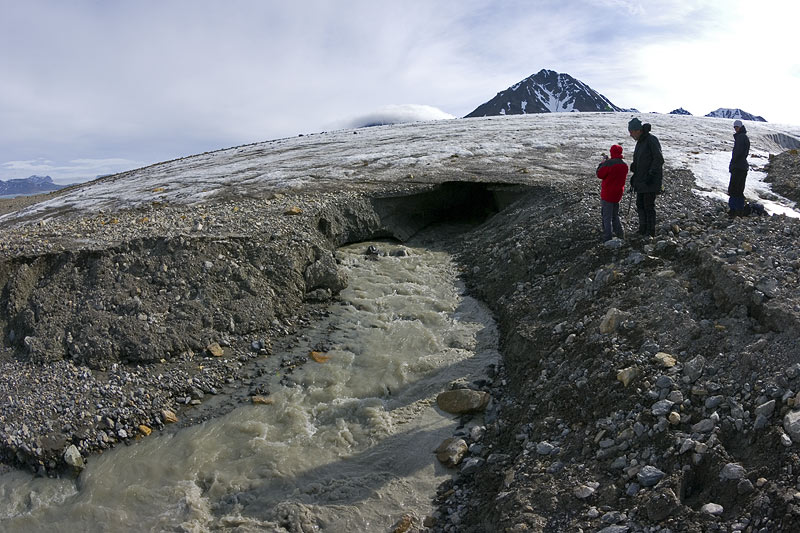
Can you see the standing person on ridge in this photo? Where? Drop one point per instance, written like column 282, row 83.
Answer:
column 612, row 172
column 647, row 168
column 738, row 168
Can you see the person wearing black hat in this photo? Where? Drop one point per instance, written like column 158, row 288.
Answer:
column 738, row 168
column 647, row 168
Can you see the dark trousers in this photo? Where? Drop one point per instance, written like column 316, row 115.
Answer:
column 736, row 184
column 736, row 189
column 610, row 213
column 646, row 209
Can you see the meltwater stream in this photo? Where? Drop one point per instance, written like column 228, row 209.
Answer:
column 348, row 447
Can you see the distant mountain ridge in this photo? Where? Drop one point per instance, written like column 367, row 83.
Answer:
column 726, row 112
column 548, row 91
column 545, row 92
column 29, row 185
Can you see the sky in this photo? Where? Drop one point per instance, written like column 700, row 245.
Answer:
column 92, row 87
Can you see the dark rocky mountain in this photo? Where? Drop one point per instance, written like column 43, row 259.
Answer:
column 30, row 185
column 545, row 92
column 679, row 111
column 725, row 112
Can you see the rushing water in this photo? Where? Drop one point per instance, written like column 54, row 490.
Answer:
column 347, row 447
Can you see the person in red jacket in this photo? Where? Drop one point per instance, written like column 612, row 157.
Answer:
column 612, row 172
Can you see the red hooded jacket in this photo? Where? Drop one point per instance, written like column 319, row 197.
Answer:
column 613, row 173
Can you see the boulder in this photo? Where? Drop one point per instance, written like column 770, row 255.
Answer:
column 713, row 509
column 694, row 368
column 626, row 375
column 732, row 471
column 73, row 457
column 611, row 320
column 451, row 452
column 215, row 350
column 765, row 409
column 665, row 360
column 791, row 423
column 649, row 476
column 168, row 416
column 324, row 274
column 463, row 401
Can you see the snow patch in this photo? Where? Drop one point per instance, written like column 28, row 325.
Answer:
column 712, row 178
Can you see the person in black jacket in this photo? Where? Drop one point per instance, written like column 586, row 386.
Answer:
column 647, row 168
column 738, row 169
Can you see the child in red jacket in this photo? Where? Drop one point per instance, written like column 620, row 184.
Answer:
column 612, row 172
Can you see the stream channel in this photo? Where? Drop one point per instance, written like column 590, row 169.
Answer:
column 346, row 445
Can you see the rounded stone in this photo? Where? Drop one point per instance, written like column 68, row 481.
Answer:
column 463, row 401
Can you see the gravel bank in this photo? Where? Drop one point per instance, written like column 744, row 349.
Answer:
column 648, row 385
column 783, row 172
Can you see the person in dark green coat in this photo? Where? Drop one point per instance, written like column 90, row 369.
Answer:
column 648, row 172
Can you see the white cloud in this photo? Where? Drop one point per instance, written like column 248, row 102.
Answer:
column 147, row 81
column 399, row 114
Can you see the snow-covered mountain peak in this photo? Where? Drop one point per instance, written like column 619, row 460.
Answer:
column 546, row 91
column 731, row 113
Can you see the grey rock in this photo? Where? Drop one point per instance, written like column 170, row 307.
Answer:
column 693, row 369
column 765, row 409
column 544, row 448
column 323, row 274
column 619, row 463
column 713, row 402
column 463, row 401
column 664, row 382
column 661, row 407
column 713, row 509
column 732, row 471
column 649, row 476
column 611, row 320
column 704, row 426
column 675, row 396
column 686, row 445
column 584, row 491
column 791, row 423
column 73, row 457
column 745, row 486
column 471, row 465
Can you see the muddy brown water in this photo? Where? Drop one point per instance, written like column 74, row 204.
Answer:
column 347, row 446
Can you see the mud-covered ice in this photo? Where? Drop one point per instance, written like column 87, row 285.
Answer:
column 522, row 149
